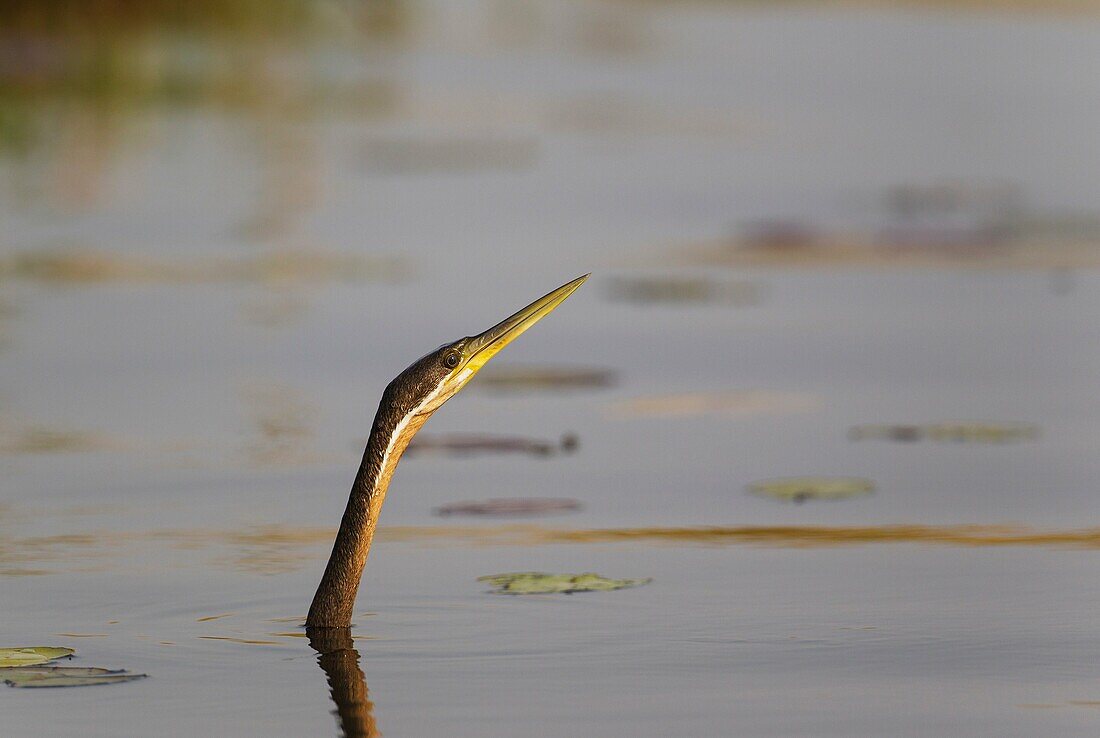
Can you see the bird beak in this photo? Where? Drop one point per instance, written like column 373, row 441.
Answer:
column 485, row 346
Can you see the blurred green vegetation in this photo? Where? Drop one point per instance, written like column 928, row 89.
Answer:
column 209, row 18
column 111, row 56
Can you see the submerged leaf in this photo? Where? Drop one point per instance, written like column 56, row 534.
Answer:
column 64, row 676
column 539, row 583
column 31, row 655
column 801, row 489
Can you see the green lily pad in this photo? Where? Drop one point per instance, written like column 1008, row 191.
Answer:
column 801, row 489
column 31, row 655
column 533, row 582
column 64, row 676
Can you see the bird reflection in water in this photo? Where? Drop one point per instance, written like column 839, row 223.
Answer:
column 348, row 686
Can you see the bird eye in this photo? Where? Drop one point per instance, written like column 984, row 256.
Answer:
column 451, row 359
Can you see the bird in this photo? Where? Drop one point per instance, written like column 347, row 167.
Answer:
column 407, row 403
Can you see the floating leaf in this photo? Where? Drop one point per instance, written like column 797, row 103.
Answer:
column 64, row 676
column 684, row 290
column 279, row 267
column 734, row 404
column 466, row 444
column 801, row 489
column 513, row 506
column 519, row 378
column 539, row 583
column 982, row 432
column 31, row 655
column 961, row 432
column 42, row 440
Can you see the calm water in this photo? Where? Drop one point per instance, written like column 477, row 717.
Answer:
column 177, row 450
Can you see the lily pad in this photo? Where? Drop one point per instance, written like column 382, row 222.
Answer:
column 983, row 432
column 467, row 444
column 31, row 655
column 801, row 489
column 731, row 404
column 64, row 676
column 957, row 432
column 531, row 378
column 684, row 290
column 533, row 582
column 510, row 506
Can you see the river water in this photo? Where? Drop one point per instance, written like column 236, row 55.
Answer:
column 200, row 308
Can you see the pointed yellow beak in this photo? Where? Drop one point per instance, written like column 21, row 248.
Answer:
column 486, row 345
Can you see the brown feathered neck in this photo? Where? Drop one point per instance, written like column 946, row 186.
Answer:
column 398, row 419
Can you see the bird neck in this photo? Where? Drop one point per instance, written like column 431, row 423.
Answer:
column 335, row 598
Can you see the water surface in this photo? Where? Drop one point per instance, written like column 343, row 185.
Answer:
column 177, row 438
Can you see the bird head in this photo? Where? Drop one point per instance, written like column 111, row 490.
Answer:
column 437, row 376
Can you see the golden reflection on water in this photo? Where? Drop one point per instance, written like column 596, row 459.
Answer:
column 208, row 618
column 40, row 440
column 276, row 549
column 84, row 266
column 782, row 536
column 245, row 641
column 1095, row 704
